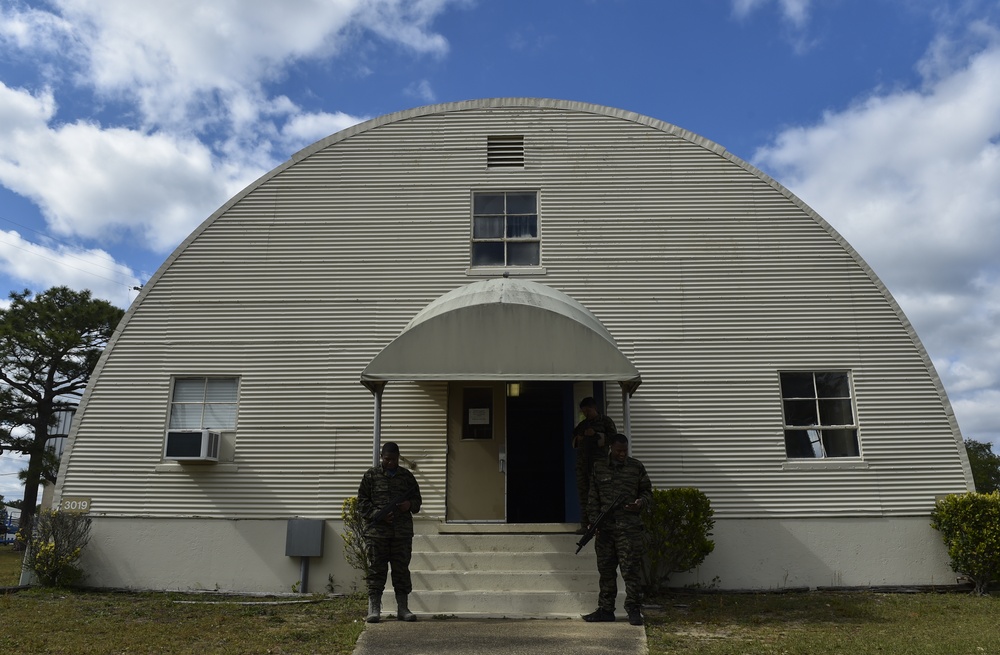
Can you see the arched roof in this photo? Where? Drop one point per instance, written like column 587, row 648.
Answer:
column 503, row 329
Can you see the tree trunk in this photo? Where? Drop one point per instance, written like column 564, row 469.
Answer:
column 31, row 488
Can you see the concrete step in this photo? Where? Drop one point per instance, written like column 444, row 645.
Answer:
column 507, row 561
column 507, row 581
column 498, row 543
column 502, row 571
column 493, row 604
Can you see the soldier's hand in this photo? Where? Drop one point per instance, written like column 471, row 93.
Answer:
column 634, row 506
column 390, row 517
column 404, row 506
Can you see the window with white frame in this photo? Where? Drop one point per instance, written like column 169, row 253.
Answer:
column 204, row 402
column 505, row 229
column 819, row 416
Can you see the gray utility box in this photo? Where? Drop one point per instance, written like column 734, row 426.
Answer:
column 304, row 538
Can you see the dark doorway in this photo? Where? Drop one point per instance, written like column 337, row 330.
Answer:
column 539, row 421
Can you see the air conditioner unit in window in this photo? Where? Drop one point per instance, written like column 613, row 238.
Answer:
column 192, row 445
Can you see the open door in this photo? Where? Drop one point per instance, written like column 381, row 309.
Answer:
column 539, row 425
column 477, row 452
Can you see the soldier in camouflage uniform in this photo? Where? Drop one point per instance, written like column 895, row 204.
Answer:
column 590, row 442
column 389, row 540
column 619, row 539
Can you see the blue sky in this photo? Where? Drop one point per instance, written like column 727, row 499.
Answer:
column 125, row 123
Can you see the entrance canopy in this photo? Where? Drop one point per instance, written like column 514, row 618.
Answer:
column 503, row 329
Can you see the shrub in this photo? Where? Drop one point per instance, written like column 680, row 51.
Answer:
column 354, row 535
column 678, row 526
column 970, row 526
column 57, row 539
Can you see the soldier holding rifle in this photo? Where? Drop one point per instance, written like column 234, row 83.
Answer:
column 618, row 542
column 591, row 438
column 387, row 499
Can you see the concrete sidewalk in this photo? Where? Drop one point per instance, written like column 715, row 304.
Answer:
column 511, row 637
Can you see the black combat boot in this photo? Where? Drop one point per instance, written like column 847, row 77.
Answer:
column 599, row 616
column 374, row 608
column 403, row 612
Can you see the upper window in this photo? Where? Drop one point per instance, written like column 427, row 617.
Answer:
column 505, row 229
column 204, row 403
column 819, row 415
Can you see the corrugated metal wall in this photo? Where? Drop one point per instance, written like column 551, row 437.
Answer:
column 706, row 273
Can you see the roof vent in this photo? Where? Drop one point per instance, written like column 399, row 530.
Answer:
column 505, row 151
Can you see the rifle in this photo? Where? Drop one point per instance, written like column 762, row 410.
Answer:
column 592, row 530
column 388, row 507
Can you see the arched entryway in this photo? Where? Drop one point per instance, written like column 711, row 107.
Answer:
column 492, row 340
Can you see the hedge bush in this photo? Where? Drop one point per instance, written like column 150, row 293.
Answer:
column 354, row 535
column 970, row 526
column 678, row 527
column 57, row 539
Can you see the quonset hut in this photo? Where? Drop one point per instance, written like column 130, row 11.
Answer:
column 456, row 278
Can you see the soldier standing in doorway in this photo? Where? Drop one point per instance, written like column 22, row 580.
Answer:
column 387, row 499
column 590, row 443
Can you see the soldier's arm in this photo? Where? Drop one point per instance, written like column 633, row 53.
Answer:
column 594, row 502
column 416, row 500
column 366, row 505
column 645, row 487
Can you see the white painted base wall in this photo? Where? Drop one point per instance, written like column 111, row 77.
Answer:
column 248, row 555
column 849, row 552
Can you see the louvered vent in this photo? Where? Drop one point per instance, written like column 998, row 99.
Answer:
column 505, row 151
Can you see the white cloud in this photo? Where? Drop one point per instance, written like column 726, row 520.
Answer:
column 794, row 11
column 41, row 267
column 97, row 183
column 305, row 129
column 910, row 178
column 203, row 124
column 188, row 63
column 422, row 91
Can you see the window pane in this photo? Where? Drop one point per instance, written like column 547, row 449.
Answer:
column 487, row 203
column 521, row 203
column 487, row 254
column 835, row 412
column 522, row 227
column 800, row 412
column 220, row 416
column 487, row 227
column 841, row 443
column 189, row 390
column 797, row 385
column 522, row 254
column 832, row 385
column 221, row 390
column 797, row 444
column 185, row 417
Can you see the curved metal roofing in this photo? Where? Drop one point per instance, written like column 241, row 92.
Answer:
column 503, row 329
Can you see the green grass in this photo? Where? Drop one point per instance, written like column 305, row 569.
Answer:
column 10, row 567
column 817, row 623
column 60, row 621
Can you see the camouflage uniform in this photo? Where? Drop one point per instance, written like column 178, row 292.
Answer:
column 586, row 454
column 388, row 543
column 619, row 542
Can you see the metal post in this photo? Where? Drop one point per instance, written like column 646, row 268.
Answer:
column 303, row 575
column 377, row 440
column 627, row 411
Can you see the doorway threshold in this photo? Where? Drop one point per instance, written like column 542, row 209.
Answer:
column 507, row 528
